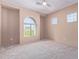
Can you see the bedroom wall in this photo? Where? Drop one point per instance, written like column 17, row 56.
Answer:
column 42, row 27
column 23, row 14
column 9, row 26
column 63, row 32
column 0, row 24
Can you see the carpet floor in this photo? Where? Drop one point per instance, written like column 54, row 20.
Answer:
column 40, row 50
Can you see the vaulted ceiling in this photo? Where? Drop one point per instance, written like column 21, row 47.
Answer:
column 54, row 5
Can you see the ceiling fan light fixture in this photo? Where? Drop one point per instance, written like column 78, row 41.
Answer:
column 44, row 3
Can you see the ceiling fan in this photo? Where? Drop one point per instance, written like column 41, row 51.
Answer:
column 43, row 3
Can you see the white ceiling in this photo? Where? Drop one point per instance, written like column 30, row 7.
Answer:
column 31, row 4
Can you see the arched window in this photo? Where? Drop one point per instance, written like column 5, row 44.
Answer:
column 29, row 27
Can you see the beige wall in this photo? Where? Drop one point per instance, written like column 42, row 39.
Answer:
column 42, row 27
column 0, row 24
column 10, row 26
column 43, row 30
column 23, row 14
column 63, row 32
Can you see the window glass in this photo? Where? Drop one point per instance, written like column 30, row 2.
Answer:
column 29, row 27
column 72, row 17
column 54, row 20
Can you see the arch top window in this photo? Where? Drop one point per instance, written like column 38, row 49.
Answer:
column 29, row 27
column 29, row 20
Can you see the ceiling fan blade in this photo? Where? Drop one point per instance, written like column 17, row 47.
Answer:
column 48, row 5
column 44, row 0
column 38, row 3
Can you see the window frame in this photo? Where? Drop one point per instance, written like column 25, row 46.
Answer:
column 35, row 24
column 72, row 17
column 54, row 20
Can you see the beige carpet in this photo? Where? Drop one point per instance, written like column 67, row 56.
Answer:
column 40, row 50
